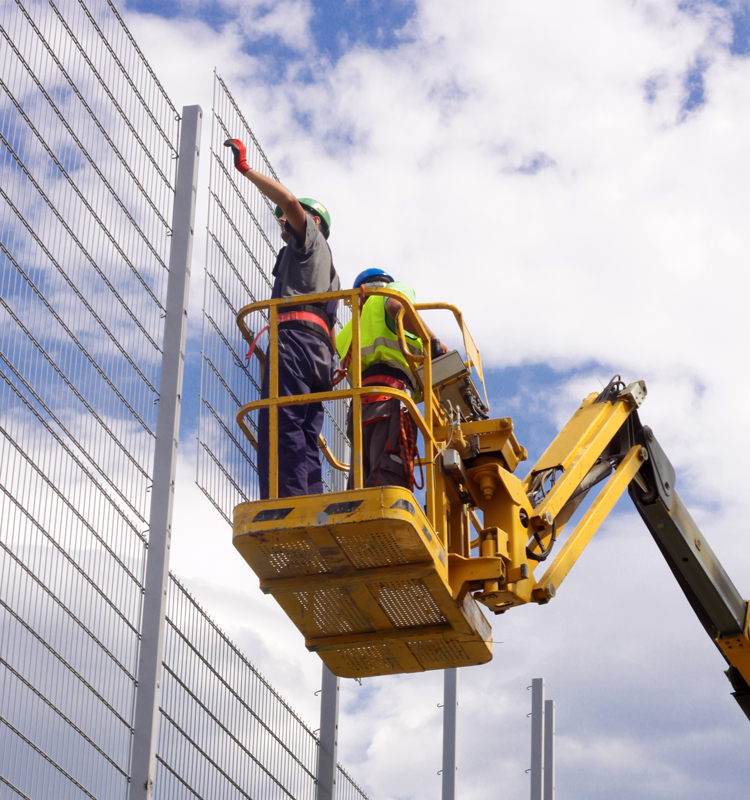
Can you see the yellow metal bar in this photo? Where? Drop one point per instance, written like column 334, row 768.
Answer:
column 479, row 568
column 472, row 351
column 567, row 445
column 329, row 456
column 327, row 580
column 587, row 451
column 588, row 526
column 410, row 358
column 322, row 397
column 435, row 510
column 261, row 305
column 467, row 530
column 411, row 313
column 737, row 649
column 355, row 375
column 349, row 640
column 273, row 411
column 349, row 296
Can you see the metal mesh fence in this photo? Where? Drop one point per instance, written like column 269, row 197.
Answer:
column 228, row 732
column 242, row 244
column 88, row 142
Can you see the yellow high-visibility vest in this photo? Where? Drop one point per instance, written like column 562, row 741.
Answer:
column 379, row 340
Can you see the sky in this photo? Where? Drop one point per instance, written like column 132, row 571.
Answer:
column 575, row 179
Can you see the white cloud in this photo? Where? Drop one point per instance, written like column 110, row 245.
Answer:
column 628, row 248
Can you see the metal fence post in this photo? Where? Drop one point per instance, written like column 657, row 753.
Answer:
column 537, row 738
column 146, row 722
column 549, row 750
column 450, row 720
column 329, row 735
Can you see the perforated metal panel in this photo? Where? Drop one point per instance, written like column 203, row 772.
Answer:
column 295, row 557
column 377, row 600
column 408, row 604
column 333, row 611
column 360, row 660
column 377, row 549
column 435, row 653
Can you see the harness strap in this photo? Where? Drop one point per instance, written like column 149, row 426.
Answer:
column 303, row 316
column 290, row 316
column 255, row 341
column 382, row 380
column 409, row 451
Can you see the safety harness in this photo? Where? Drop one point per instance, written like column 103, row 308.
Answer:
column 292, row 316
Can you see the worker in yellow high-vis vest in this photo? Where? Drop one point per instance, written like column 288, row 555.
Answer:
column 388, row 432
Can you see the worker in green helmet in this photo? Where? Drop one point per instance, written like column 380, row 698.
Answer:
column 305, row 362
column 388, row 432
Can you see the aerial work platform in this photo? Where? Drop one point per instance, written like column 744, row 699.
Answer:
column 380, row 581
column 365, row 579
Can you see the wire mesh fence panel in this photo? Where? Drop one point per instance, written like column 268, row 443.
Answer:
column 224, row 730
column 88, row 142
column 87, row 145
column 242, row 244
column 346, row 788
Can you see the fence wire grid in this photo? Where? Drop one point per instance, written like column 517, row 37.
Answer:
column 242, row 244
column 87, row 172
column 89, row 141
column 228, row 733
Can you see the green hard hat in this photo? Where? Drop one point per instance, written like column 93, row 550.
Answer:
column 315, row 208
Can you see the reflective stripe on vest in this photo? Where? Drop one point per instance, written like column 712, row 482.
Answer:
column 379, row 344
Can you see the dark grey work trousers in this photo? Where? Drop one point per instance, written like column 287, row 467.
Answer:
column 382, row 464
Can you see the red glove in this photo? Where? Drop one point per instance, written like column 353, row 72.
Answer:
column 240, row 154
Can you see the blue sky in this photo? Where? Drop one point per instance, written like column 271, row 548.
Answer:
column 578, row 186
column 335, row 26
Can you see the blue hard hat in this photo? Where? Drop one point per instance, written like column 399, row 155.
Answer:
column 373, row 275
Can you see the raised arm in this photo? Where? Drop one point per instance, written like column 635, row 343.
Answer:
column 276, row 192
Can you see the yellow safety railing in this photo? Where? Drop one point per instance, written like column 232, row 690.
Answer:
column 432, row 418
column 473, row 359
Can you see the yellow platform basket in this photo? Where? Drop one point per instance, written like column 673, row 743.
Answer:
column 364, row 578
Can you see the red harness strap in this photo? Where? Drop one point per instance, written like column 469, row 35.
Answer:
column 409, row 451
column 290, row 316
column 340, row 373
column 381, row 380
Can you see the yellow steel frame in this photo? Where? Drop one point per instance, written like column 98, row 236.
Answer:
column 547, row 585
column 501, row 575
column 433, row 417
column 473, row 359
column 737, row 648
column 574, row 451
column 504, row 572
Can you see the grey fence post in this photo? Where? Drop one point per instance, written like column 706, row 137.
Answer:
column 537, row 738
column 145, row 726
column 549, row 750
column 450, row 721
column 329, row 735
